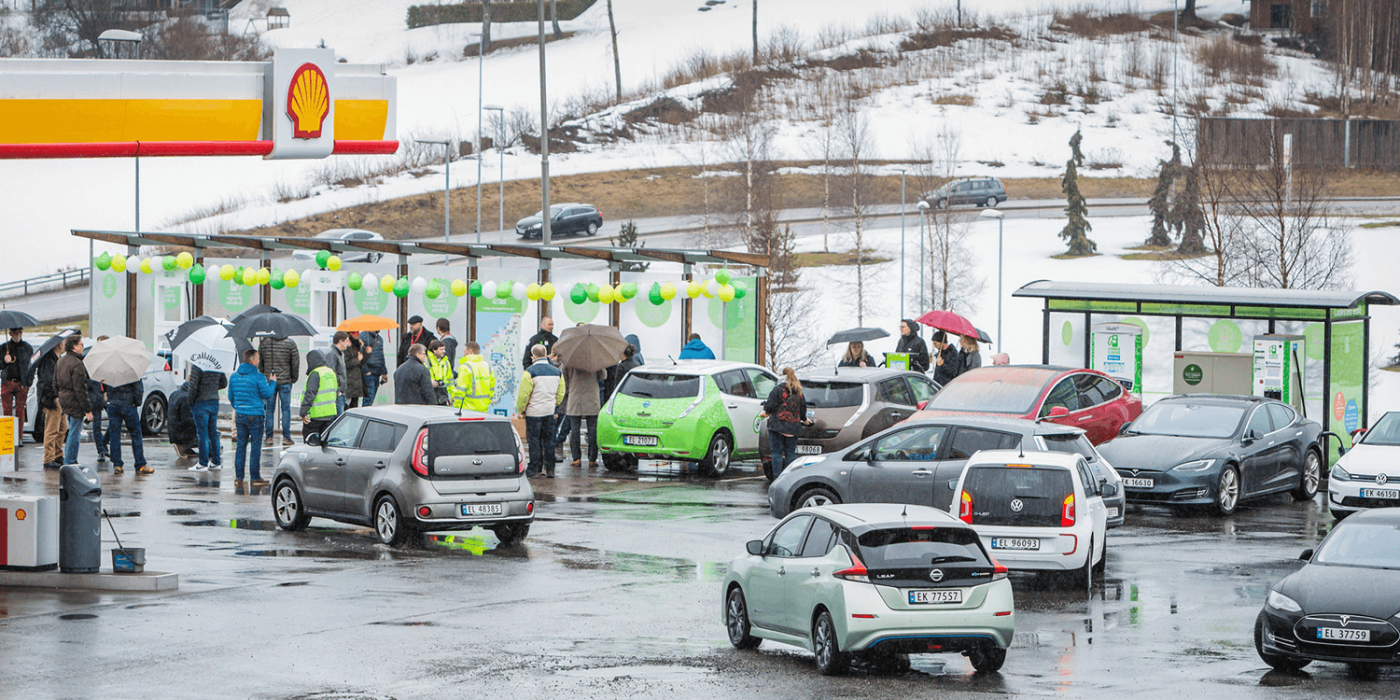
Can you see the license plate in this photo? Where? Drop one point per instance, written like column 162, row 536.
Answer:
column 1138, row 483
column 1380, row 493
column 935, row 597
column 640, row 440
column 482, row 509
column 1112, row 512
column 809, row 449
column 1343, row 635
column 1021, row 543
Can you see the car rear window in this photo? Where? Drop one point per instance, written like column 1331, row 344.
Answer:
column 660, row 386
column 1021, row 496
column 992, row 392
column 833, row 394
column 911, row 547
column 469, row 438
column 1069, row 443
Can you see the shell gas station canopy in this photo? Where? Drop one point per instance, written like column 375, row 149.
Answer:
column 301, row 104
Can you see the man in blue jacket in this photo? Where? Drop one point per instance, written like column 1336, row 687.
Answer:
column 696, row 349
column 249, row 391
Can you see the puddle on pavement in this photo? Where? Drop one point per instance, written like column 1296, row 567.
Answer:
column 654, row 672
column 473, row 544
column 406, row 623
column 237, row 524
column 181, row 511
column 313, row 554
column 138, row 606
column 293, row 584
column 78, row 616
column 124, row 514
column 581, row 558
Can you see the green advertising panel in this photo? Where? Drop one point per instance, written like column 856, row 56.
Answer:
column 1346, row 403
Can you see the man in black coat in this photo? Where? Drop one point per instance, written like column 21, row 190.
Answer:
column 15, row 376
column 413, row 383
column 545, row 337
column 415, row 335
column 911, row 344
column 55, row 427
column 949, row 363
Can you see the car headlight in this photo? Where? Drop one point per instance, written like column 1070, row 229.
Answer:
column 536, row 225
column 1339, row 474
column 1279, row 601
column 803, row 463
column 1199, row 465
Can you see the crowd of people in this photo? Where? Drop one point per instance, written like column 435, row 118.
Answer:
column 947, row 360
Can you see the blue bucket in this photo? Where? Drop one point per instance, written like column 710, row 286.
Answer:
column 128, row 560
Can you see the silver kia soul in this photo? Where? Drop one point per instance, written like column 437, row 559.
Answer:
column 408, row 469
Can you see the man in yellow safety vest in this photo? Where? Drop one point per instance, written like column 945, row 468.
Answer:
column 318, row 399
column 476, row 385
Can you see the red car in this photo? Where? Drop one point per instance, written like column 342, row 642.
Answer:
column 1081, row 398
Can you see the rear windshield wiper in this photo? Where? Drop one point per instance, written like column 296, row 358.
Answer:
column 950, row 559
column 641, row 393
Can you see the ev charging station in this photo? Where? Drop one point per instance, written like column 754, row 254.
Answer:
column 1116, row 350
column 1278, row 368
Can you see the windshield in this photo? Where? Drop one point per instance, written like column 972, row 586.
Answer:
column 1185, row 419
column 833, row 394
column 553, row 212
column 660, row 386
column 1386, row 431
column 1370, row 545
column 904, row 548
column 990, row 392
column 1026, row 497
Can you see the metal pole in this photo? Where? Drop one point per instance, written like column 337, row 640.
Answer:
column 1175, row 44
column 1000, row 238
column 902, row 264
column 480, row 125
column 138, row 189
column 447, row 196
column 545, row 234
column 501, row 176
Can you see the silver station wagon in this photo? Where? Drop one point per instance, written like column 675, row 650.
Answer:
column 403, row 470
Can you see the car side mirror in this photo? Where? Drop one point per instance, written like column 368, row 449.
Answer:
column 755, row 547
column 1249, row 437
column 1108, row 489
column 1058, row 412
column 1306, row 555
column 922, row 404
column 314, row 439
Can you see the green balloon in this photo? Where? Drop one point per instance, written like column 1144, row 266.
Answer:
column 276, row 283
column 322, row 257
column 197, row 273
column 654, row 296
column 629, row 290
column 168, row 262
column 740, row 289
column 401, row 287
column 434, row 289
column 104, row 262
column 722, row 276
column 578, row 294
column 503, row 289
column 475, row 289
column 354, row 281
column 593, row 292
column 238, row 276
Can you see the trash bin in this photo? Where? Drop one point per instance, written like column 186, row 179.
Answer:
column 79, row 520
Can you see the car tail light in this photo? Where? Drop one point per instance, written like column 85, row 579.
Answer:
column 519, row 454
column 1067, row 515
column 965, row 508
column 530, row 508
column 998, row 571
column 856, row 572
column 420, row 453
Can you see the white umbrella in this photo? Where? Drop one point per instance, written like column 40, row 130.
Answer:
column 117, row 361
column 209, row 348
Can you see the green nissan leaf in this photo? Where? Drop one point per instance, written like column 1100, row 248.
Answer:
column 703, row 411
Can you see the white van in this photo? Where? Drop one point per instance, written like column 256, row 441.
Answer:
column 1035, row 511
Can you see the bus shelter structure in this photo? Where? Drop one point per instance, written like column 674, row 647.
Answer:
column 1335, row 324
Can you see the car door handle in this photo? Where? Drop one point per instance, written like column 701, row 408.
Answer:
column 1084, row 418
column 733, row 405
column 816, row 572
column 922, row 472
column 379, row 465
column 340, row 463
column 782, row 571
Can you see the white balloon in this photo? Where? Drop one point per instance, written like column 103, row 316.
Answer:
column 133, row 264
column 712, row 287
column 370, row 282
column 488, row 290
column 419, row 284
column 308, row 272
column 211, row 273
column 517, row 290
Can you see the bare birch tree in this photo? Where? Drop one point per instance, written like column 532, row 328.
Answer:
column 617, row 61
column 857, row 143
column 486, row 26
column 825, row 147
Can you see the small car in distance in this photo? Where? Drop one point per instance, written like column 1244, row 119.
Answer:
column 1217, row 451
column 980, row 191
column 348, row 235
column 1368, row 474
column 1343, row 605
column 402, row 470
column 850, row 404
column 565, row 220
column 1083, row 398
column 877, row 580
column 703, row 411
column 1036, row 511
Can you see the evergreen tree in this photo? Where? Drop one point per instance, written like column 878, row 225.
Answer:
column 1160, row 203
column 1076, row 232
column 627, row 238
column 1186, row 208
column 782, row 260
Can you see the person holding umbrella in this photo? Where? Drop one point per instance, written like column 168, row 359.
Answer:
column 856, row 356
column 70, row 379
column 971, row 356
column 249, row 392
column 122, row 410
column 97, row 400
column 54, row 425
column 948, row 364
column 354, row 372
column 318, row 397
column 279, row 358
column 912, row 345
column 586, row 351
column 15, row 358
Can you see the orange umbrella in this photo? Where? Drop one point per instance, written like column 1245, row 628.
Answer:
column 367, row 323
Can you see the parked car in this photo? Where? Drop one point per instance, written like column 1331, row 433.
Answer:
column 1217, row 451
column 919, row 463
column 851, row 404
column 1083, row 398
column 1367, row 475
column 1036, row 511
column 873, row 580
column 565, row 220
column 1343, row 604
column 703, row 411
column 980, row 191
column 408, row 469
column 348, row 235
column 159, row 381
column 1115, row 500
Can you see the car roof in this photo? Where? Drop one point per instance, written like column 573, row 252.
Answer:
column 853, row 374
column 1218, row 399
column 992, row 422
column 693, row 367
column 422, row 414
column 334, row 233
column 1033, row 457
column 863, row 517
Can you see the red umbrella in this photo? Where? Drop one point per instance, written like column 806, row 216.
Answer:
column 950, row 322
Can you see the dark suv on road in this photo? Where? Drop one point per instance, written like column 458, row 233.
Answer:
column 565, row 220
column 980, row 191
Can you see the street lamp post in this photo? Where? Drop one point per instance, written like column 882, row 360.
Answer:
column 446, row 189
column 994, row 214
column 902, row 265
column 923, row 264
column 545, row 227
column 501, row 153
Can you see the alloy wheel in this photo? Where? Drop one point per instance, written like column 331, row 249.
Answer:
column 815, row 500
column 1229, row 489
column 1312, row 472
column 386, row 521
column 286, row 504
column 736, row 618
column 822, row 642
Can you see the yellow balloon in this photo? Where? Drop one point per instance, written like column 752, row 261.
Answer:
column 333, row 264
column 705, row 289
column 250, row 278
column 532, row 292
column 726, row 293
column 291, row 279
column 605, row 294
column 264, row 275
column 386, row 284
column 226, row 273
column 692, row 290
column 146, row 266
column 459, row 288
column 668, row 291
column 184, row 260
column 119, row 263
column 547, row 291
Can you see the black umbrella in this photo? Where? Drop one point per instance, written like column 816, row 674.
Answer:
column 53, row 341
column 271, row 325
column 184, row 330
column 858, row 335
column 16, row 319
column 982, row 336
column 255, row 310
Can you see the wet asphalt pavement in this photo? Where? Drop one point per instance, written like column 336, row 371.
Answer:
column 615, row 594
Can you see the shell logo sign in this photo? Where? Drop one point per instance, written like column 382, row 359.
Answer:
column 308, row 101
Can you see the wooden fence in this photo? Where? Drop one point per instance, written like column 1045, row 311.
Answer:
column 1366, row 144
